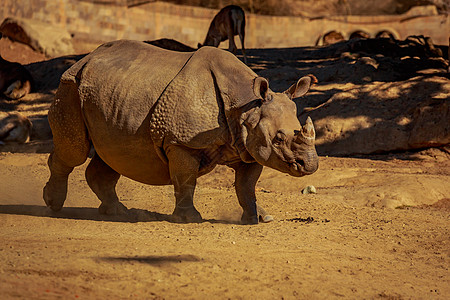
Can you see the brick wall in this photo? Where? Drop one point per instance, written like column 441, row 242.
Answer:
column 92, row 23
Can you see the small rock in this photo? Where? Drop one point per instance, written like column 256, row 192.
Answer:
column 310, row 189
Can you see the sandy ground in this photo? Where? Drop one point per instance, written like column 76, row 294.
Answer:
column 326, row 245
column 378, row 227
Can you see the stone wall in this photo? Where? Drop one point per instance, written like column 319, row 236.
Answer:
column 91, row 23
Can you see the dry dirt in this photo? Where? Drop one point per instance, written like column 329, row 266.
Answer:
column 378, row 227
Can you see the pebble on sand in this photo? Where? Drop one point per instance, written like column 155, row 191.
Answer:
column 310, row 189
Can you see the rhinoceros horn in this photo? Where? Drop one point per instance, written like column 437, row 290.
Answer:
column 307, row 132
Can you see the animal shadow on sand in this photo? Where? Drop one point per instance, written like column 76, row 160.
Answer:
column 132, row 215
column 91, row 214
column 154, row 260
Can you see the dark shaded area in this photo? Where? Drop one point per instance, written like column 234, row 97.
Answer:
column 154, row 260
column 443, row 204
column 428, row 115
column 393, row 81
column 414, row 154
column 133, row 215
column 47, row 73
column 357, row 61
column 11, row 72
column 11, row 105
column 378, row 59
column 171, row 44
column 82, row 213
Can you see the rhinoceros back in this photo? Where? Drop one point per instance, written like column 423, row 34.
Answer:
column 121, row 82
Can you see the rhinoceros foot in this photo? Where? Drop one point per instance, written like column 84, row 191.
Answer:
column 264, row 217
column 247, row 219
column 112, row 209
column 55, row 195
column 186, row 215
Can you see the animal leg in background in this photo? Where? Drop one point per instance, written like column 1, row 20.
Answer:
column 229, row 25
column 242, row 37
column 238, row 25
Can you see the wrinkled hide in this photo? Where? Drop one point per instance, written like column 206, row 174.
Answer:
column 164, row 117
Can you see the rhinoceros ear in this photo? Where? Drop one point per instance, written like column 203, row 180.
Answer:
column 261, row 88
column 251, row 118
column 301, row 87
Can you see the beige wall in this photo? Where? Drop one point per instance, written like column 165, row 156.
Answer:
column 97, row 23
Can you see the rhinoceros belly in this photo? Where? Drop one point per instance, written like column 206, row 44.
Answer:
column 121, row 137
column 131, row 156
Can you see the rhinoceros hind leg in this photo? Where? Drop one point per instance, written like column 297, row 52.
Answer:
column 71, row 144
column 55, row 190
column 102, row 180
column 183, row 168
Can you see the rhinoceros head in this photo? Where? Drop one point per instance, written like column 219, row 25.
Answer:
column 272, row 134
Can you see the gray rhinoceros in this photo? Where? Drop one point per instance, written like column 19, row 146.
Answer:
column 162, row 117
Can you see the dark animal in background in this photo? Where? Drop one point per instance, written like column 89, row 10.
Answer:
column 384, row 34
column 359, row 34
column 14, row 127
column 171, row 44
column 228, row 22
column 15, row 80
column 330, row 38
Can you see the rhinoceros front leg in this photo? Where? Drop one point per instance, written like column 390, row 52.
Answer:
column 102, row 180
column 246, row 177
column 183, row 168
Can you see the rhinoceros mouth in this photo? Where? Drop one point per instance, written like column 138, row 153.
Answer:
column 297, row 167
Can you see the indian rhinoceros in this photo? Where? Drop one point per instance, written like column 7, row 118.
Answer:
column 162, row 117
